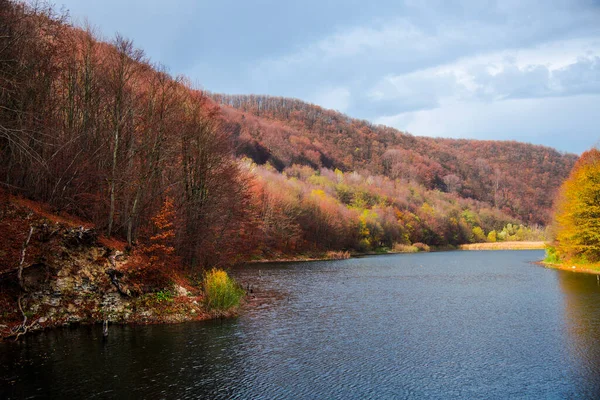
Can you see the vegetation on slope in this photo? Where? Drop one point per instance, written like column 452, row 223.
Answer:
column 517, row 178
column 96, row 130
column 577, row 218
column 306, row 211
column 56, row 271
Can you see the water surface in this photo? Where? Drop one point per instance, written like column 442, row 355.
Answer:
column 438, row 325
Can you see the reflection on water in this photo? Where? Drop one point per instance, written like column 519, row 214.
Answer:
column 582, row 314
column 443, row 325
column 137, row 361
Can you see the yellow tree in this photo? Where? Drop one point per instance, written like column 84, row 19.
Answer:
column 577, row 218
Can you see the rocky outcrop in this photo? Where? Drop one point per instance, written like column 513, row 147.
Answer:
column 55, row 270
column 69, row 276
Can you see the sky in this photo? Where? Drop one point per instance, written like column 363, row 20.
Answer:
column 504, row 70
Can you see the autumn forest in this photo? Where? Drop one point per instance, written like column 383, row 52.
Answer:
column 307, row 200
column 94, row 129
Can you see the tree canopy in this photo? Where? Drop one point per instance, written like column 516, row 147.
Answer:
column 577, row 216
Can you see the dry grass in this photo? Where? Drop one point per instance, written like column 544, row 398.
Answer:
column 337, row 255
column 504, row 246
column 404, row 248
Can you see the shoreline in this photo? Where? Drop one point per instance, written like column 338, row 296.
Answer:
column 179, row 310
column 525, row 245
column 6, row 334
column 77, row 306
column 580, row 269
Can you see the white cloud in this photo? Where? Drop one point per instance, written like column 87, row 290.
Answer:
column 470, row 68
column 548, row 120
column 556, row 69
column 438, row 32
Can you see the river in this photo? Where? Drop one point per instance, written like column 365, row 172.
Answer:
column 436, row 325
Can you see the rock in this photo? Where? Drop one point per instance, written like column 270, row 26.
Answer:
column 34, row 276
column 112, row 303
column 115, row 278
column 64, row 284
column 51, row 301
column 180, row 290
column 73, row 318
column 81, row 237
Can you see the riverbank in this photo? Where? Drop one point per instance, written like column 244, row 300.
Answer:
column 88, row 296
column 58, row 271
column 573, row 267
column 331, row 256
column 84, row 287
column 504, row 246
column 403, row 249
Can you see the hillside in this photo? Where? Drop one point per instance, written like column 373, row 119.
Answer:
column 192, row 180
column 519, row 178
column 56, row 270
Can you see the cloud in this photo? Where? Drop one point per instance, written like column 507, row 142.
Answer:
column 492, row 78
column 580, row 77
column 397, row 61
column 417, row 90
column 550, row 121
column 438, row 32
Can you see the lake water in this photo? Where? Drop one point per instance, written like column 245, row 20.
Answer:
column 439, row 325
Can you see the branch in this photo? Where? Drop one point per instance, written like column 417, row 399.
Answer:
column 22, row 329
column 23, row 251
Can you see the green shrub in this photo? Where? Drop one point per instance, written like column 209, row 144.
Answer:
column 164, row 295
column 479, row 235
column 551, row 255
column 221, row 293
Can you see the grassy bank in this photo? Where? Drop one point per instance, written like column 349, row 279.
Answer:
column 504, row 246
column 574, row 267
column 344, row 255
column 403, row 248
column 553, row 260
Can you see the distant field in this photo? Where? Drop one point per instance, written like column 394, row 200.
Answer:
column 504, row 246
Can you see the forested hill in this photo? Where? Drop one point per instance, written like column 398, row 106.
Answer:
column 96, row 130
column 518, row 178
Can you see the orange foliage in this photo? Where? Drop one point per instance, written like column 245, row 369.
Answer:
column 517, row 178
column 578, row 211
column 160, row 248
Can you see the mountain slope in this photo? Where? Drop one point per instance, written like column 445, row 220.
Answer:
column 95, row 129
column 518, row 178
